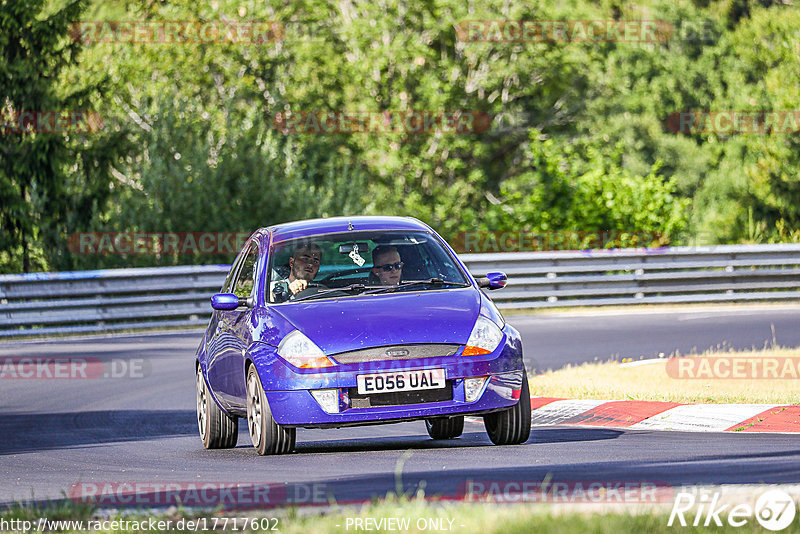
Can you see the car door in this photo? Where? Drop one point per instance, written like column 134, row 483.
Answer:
column 226, row 369
column 214, row 327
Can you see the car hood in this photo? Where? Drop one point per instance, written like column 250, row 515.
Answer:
column 433, row 316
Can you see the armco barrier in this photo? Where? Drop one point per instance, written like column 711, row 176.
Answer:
column 641, row 276
column 114, row 299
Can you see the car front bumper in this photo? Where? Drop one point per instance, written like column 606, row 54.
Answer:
column 288, row 390
column 300, row 408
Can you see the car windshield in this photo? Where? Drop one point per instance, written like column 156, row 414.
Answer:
column 354, row 263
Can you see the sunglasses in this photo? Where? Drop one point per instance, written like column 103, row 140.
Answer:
column 390, row 266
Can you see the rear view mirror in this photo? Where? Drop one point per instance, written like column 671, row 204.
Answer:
column 493, row 281
column 347, row 248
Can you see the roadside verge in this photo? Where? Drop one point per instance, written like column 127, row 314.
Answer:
column 654, row 415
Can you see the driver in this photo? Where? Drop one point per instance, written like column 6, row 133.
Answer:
column 303, row 267
column 388, row 267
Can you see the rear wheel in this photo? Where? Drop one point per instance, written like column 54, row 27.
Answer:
column 512, row 426
column 445, row 427
column 268, row 437
column 218, row 430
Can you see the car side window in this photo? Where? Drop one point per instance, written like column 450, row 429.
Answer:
column 228, row 285
column 243, row 286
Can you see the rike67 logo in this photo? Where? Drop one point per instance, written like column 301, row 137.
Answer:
column 774, row 510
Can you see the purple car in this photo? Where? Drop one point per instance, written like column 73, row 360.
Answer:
column 341, row 322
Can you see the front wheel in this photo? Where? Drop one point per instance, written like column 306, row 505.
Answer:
column 268, row 437
column 511, row 426
column 218, row 430
column 445, row 427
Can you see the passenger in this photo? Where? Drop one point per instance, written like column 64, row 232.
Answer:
column 303, row 267
column 387, row 265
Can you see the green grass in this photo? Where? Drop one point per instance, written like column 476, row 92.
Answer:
column 467, row 518
column 651, row 382
column 62, row 509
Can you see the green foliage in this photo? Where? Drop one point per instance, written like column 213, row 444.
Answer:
column 752, row 193
column 586, row 196
column 579, row 141
column 51, row 183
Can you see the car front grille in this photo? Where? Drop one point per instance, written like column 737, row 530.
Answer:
column 359, row 400
column 396, row 352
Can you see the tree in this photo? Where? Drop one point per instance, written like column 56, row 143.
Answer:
column 51, row 182
column 582, row 201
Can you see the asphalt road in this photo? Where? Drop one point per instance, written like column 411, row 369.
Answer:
column 59, row 433
column 551, row 341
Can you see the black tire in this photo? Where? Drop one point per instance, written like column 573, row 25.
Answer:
column 218, row 430
column 512, row 426
column 445, row 427
column 268, row 437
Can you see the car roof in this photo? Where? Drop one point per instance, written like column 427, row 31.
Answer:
column 311, row 227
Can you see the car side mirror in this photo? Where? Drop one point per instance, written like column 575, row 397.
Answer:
column 227, row 301
column 493, row 281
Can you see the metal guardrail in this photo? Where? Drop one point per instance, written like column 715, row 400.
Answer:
column 115, row 299
column 107, row 300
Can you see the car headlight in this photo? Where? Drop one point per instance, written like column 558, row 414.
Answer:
column 301, row 352
column 485, row 337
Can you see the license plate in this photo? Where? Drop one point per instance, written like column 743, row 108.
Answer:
column 402, row 381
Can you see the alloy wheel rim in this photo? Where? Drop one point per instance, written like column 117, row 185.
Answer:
column 201, row 405
column 254, row 410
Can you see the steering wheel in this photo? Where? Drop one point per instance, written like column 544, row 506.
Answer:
column 311, row 289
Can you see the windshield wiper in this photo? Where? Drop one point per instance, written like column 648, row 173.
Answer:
column 352, row 288
column 411, row 283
